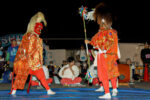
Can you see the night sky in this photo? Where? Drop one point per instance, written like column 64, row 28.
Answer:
column 131, row 20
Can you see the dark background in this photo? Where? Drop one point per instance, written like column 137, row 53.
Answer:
column 131, row 20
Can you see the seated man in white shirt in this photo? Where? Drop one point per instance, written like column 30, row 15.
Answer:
column 69, row 73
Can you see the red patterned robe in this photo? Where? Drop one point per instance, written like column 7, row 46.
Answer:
column 106, row 62
column 29, row 58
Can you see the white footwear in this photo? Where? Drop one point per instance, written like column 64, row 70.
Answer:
column 105, row 96
column 50, row 92
column 101, row 89
column 114, row 92
column 13, row 92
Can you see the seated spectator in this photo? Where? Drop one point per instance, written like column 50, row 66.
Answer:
column 51, row 69
column 2, row 63
column 35, row 81
column 2, row 49
column 69, row 73
column 6, row 76
column 64, row 62
column 5, row 73
column 91, row 75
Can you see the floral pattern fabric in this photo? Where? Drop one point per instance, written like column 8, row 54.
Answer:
column 108, row 40
column 28, row 57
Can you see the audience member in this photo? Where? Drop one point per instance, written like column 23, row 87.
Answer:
column 145, row 54
column 51, row 69
column 69, row 73
column 2, row 63
column 11, row 53
column 81, row 56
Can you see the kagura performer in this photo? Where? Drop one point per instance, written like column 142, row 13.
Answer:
column 106, row 42
column 29, row 57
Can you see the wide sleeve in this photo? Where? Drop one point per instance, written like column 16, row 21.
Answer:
column 32, row 39
column 113, row 43
column 94, row 41
column 35, row 52
column 31, row 49
column 100, row 40
column 116, row 50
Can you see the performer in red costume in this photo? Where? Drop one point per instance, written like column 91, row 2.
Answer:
column 106, row 42
column 29, row 57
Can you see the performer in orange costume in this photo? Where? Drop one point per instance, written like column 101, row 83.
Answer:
column 107, row 43
column 29, row 57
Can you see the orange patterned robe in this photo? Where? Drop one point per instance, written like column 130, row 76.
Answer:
column 29, row 57
column 108, row 40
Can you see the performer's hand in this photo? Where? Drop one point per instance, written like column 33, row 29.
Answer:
column 7, row 62
column 87, row 41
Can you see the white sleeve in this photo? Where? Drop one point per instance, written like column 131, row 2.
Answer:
column 76, row 71
column 60, row 71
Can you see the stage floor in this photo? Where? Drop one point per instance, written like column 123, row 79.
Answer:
column 75, row 94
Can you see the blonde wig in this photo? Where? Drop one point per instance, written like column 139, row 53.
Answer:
column 38, row 17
